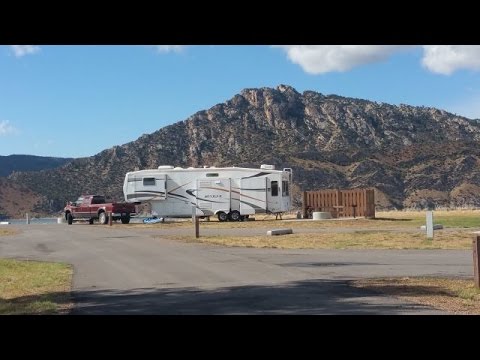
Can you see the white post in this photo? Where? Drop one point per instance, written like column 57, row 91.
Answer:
column 429, row 224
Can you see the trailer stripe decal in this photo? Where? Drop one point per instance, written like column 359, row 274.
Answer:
column 213, row 188
column 212, row 201
column 181, row 196
column 256, row 175
column 178, row 187
column 145, row 194
column 246, row 196
column 191, row 192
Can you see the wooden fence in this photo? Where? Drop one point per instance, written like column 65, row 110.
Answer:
column 340, row 203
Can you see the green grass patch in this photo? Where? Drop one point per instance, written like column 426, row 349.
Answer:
column 32, row 287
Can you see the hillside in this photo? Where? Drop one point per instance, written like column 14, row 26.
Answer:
column 16, row 200
column 11, row 163
column 412, row 156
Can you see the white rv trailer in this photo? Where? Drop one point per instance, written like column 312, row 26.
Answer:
column 230, row 193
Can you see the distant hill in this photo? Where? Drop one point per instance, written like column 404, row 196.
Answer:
column 413, row 156
column 11, row 163
column 16, row 200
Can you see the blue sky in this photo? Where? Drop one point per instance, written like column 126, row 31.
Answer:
column 75, row 101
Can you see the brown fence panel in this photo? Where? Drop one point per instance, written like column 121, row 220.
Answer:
column 341, row 203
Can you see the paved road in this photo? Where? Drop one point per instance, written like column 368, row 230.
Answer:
column 128, row 271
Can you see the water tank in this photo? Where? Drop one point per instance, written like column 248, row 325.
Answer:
column 267, row 167
column 320, row 215
column 165, row 167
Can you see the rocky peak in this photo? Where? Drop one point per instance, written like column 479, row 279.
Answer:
column 330, row 142
column 287, row 89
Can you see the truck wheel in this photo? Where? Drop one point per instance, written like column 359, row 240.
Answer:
column 69, row 219
column 125, row 220
column 222, row 216
column 234, row 216
column 102, row 218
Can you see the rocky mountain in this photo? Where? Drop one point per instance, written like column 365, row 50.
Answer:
column 412, row 156
column 11, row 163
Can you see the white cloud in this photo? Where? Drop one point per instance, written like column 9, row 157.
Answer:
column 22, row 50
column 169, row 48
column 318, row 59
column 6, row 128
column 445, row 59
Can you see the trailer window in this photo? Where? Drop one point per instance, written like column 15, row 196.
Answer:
column 148, row 181
column 285, row 188
column 212, row 174
column 274, row 188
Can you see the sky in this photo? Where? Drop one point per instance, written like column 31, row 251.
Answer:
column 75, row 101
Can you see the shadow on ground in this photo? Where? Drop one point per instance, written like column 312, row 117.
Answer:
column 303, row 297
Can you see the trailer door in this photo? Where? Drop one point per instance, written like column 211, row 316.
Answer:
column 274, row 194
column 213, row 195
column 253, row 195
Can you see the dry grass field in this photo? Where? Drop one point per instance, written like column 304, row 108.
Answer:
column 389, row 230
column 457, row 296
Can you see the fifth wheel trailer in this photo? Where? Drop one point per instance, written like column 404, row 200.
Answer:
column 230, row 193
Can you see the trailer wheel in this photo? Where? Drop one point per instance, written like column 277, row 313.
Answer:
column 222, row 216
column 102, row 218
column 125, row 219
column 234, row 215
column 69, row 219
column 90, row 221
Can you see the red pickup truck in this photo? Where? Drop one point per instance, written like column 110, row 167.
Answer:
column 94, row 207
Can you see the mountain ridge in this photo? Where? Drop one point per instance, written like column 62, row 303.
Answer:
column 413, row 156
column 20, row 162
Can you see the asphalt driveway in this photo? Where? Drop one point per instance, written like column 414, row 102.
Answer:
column 128, row 271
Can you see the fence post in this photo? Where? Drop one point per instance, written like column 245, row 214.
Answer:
column 476, row 260
column 196, row 222
column 197, row 227
column 304, row 204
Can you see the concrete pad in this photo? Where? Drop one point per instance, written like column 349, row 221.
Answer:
column 280, row 232
column 435, row 227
